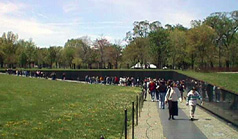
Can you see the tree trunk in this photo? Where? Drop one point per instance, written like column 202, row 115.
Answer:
column 219, row 56
column 192, row 61
column 116, row 65
column 145, row 64
column 211, row 64
column 202, row 62
column 90, row 66
column 173, row 62
column 227, row 64
column 104, row 65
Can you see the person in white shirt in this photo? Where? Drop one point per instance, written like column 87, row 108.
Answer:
column 192, row 97
column 172, row 96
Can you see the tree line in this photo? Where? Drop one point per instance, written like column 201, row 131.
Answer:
column 210, row 43
column 76, row 53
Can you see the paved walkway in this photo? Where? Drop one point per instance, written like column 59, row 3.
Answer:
column 154, row 124
column 181, row 127
column 149, row 125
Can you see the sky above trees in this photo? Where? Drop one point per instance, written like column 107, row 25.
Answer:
column 54, row 22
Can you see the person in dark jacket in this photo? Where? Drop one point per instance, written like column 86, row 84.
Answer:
column 162, row 92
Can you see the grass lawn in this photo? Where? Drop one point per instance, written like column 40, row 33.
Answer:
column 39, row 108
column 228, row 81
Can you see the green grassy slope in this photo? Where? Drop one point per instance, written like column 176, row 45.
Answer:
column 228, row 81
column 39, row 108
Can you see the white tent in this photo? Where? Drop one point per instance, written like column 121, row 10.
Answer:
column 140, row 66
column 137, row 66
column 151, row 66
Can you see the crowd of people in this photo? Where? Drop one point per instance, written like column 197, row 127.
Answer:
column 163, row 91
column 169, row 92
column 36, row 74
column 27, row 73
column 109, row 80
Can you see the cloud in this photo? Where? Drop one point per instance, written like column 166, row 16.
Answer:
column 30, row 27
column 78, row 18
column 12, row 22
column 178, row 18
column 70, row 7
column 6, row 8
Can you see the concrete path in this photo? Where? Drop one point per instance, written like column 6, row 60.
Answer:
column 149, row 125
column 154, row 124
column 210, row 125
column 181, row 127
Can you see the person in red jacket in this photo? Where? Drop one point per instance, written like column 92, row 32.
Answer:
column 116, row 80
column 152, row 88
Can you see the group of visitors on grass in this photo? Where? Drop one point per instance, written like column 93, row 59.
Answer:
column 169, row 92
column 108, row 80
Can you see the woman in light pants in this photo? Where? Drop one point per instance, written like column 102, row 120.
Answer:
column 192, row 97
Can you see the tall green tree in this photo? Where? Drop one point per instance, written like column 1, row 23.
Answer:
column 142, row 29
column 177, row 49
column 30, row 51
column 52, row 55
column 137, row 51
column 1, row 53
column 113, row 54
column 159, row 46
column 69, row 53
column 9, row 48
column 226, row 25
column 22, row 57
column 200, row 42
column 101, row 45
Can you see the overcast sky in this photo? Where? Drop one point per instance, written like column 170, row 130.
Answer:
column 53, row 22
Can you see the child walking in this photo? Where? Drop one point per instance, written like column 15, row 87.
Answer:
column 192, row 97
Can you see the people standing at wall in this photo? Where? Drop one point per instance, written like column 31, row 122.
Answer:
column 172, row 96
column 210, row 92
column 192, row 97
column 181, row 88
column 63, row 76
column 217, row 93
column 53, row 75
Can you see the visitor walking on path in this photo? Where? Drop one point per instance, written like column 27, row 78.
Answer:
column 172, row 96
column 145, row 89
column 162, row 91
column 152, row 89
column 192, row 97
